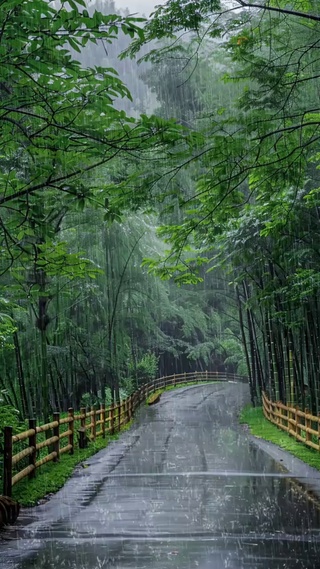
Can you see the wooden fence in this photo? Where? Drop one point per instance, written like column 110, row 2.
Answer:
column 300, row 424
column 63, row 435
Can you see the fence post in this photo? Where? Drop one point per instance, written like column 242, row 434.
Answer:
column 269, row 410
column 307, row 423
column 83, row 417
column 82, row 430
column 272, row 418
column 206, row 375
column 103, row 419
column 129, row 408
column 290, row 420
column 119, row 405
column 111, row 418
column 7, row 462
column 264, row 410
column 93, row 423
column 56, row 433
column 71, row 429
column 298, row 430
column 174, row 379
column 33, row 443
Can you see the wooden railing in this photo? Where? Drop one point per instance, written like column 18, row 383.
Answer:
column 63, row 435
column 301, row 425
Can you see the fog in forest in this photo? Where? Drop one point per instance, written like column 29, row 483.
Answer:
column 142, row 6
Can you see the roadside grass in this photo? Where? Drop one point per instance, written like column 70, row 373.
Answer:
column 260, row 427
column 176, row 386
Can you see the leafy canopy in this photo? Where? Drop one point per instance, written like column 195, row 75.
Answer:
column 264, row 140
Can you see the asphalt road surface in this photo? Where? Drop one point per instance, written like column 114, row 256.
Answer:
column 185, row 488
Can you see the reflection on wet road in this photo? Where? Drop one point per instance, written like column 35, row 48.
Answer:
column 185, row 489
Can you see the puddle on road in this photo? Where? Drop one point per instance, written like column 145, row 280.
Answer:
column 186, row 522
column 233, row 553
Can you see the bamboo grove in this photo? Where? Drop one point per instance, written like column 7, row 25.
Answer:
column 82, row 321
column 163, row 217
column 254, row 160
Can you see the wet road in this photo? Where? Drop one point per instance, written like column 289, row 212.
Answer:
column 184, row 488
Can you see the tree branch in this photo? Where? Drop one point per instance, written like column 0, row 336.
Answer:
column 294, row 13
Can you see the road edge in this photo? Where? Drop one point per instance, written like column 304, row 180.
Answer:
column 306, row 475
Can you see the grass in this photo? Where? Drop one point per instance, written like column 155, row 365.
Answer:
column 262, row 428
column 176, row 386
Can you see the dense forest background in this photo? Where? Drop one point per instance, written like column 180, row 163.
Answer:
column 82, row 320
column 160, row 216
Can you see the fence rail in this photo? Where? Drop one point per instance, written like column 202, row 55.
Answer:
column 63, row 435
column 301, row 425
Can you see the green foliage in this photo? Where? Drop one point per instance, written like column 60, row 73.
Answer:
column 9, row 417
column 202, row 351
column 60, row 79
column 89, row 399
column 7, row 325
column 260, row 141
column 146, row 368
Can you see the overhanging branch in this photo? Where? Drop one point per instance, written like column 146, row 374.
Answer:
column 294, row 13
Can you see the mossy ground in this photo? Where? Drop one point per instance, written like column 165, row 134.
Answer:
column 154, row 398
column 262, row 428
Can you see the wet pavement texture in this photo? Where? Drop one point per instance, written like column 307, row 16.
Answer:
column 185, row 488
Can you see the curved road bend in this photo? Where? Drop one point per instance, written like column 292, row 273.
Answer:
column 185, row 488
